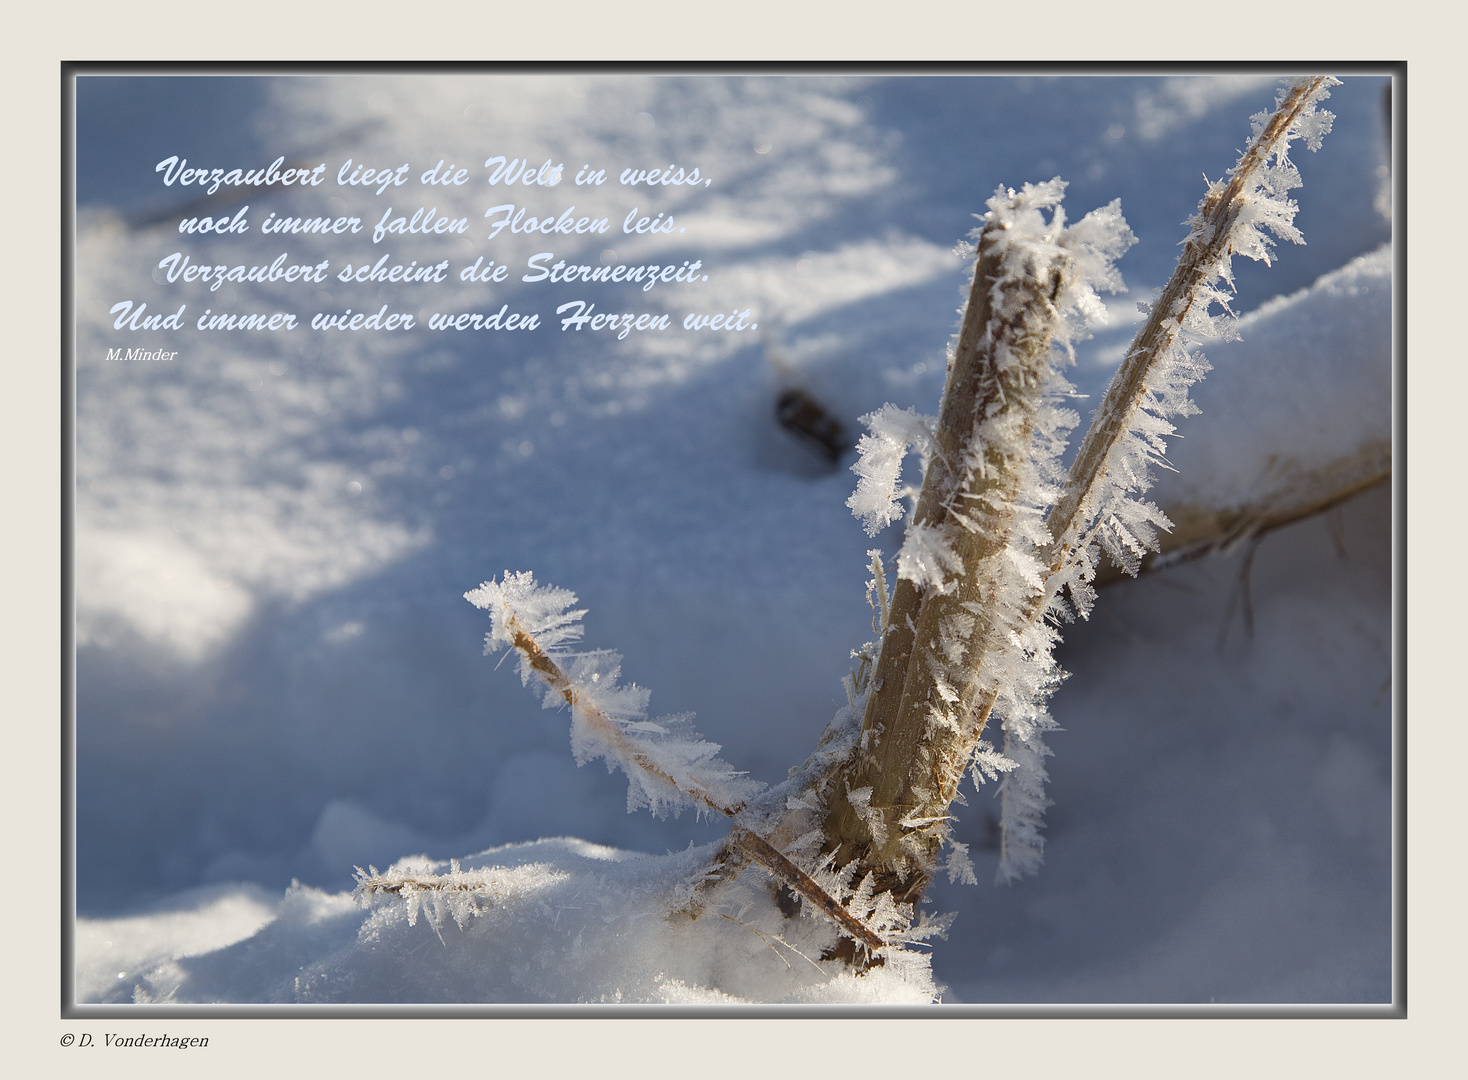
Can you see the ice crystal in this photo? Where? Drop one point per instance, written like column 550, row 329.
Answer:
column 891, row 433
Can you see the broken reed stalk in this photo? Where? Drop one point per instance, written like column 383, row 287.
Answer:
column 749, row 842
column 909, row 757
column 916, row 736
column 1199, row 531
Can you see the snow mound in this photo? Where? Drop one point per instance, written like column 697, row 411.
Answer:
column 553, row 921
column 1302, row 396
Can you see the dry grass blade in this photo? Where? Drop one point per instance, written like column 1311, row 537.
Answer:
column 754, row 845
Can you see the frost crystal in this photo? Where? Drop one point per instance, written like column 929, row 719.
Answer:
column 892, row 431
column 927, row 557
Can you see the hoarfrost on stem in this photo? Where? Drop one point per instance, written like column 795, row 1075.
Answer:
column 891, row 433
column 1102, row 507
column 669, row 767
column 959, row 642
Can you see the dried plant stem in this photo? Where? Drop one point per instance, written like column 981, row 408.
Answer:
column 369, row 884
column 887, row 805
column 1202, row 256
column 1200, row 530
column 1204, row 252
column 748, row 841
column 605, row 726
column 911, row 764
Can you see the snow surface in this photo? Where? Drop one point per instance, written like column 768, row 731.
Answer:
column 278, row 679
column 1311, row 365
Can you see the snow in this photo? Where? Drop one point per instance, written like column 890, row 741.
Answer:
column 115, row 953
column 277, row 678
column 1271, row 380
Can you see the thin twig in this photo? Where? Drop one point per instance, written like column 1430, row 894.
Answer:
column 1209, row 242
column 756, row 846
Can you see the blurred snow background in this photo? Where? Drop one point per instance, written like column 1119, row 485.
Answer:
column 277, row 676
